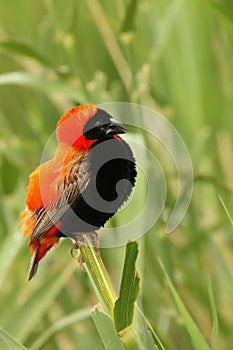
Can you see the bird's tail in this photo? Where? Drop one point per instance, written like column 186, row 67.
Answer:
column 33, row 263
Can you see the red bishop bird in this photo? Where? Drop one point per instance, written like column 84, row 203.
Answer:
column 91, row 175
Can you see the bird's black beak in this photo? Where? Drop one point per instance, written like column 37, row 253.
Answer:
column 114, row 128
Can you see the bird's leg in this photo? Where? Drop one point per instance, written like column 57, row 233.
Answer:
column 79, row 238
column 94, row 238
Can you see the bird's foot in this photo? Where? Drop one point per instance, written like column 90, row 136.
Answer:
column 79, row 239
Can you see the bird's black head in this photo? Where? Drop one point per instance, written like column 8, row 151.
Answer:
column 102, row 126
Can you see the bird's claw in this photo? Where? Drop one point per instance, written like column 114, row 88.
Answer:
column 79, row 239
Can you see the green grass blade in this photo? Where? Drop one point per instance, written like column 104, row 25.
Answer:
column 110, row 42
column 68, row 320
column 214, row 315
column 124, row 306
column 10, row 341
column 25, row 49
column 12, row 243
column 148, row 340
column 98, row 275
column 40, row 83
column 129, row 21
column 148, row 337
column 223, row 267
column 148, row 331
column 37, row 304
column 224, row 7
column 225, row 208
column 106, row 330
column 196, row 336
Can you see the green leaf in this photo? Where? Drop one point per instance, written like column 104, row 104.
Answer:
column 29, row 314
column 124, row 306
column 10, row 341
column 106, row 330
column 25, row 49
column 9, row 175
column 148, row 340
column 199, row 342
column 12, row 243
column 40, row 83
column 129, row 20
column 226, row 210
column 224, row 7
column 214, row 315
column 111, row 43
column 68, row 320
column 149, row 335
column 226, row 271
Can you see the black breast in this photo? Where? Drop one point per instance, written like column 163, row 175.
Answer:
column 112, row 177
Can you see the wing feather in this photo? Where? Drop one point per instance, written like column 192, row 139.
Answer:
column 75, row 181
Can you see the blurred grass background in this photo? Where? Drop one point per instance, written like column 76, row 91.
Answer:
column 173, row 56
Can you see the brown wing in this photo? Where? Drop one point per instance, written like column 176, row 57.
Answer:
column 75, row 182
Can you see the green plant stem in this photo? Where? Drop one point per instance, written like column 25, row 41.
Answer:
column 129, row 340
column 98, row 275
column 103, row 286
